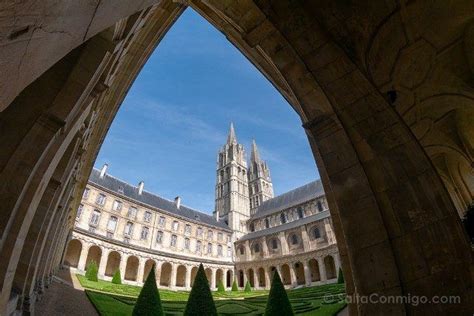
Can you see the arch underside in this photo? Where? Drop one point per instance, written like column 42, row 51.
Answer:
column 386, row 104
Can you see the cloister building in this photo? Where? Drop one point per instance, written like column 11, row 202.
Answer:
column 124, row 227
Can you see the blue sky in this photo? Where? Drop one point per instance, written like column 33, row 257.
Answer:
column 177, row 115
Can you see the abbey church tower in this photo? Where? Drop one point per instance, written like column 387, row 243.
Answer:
column 260, row 183
column 232, row 192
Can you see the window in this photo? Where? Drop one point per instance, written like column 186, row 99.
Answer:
column 100, row 199
column 294, row 239
column 147, row 216
column 198, row 246
column 187, row 243
column 300, row 212
column 128, row 229
column 242, row 250
column 144, row 234
column 229, row 251
column 283, row 218
column 316, row 233
column 219, row 236
column 110, row 235
column 219, row 250
column 320, row 206
column 120, row 189
column 256, row 248
column 112, row 224
column 79, row 211
column 117, row 206
column 252, row 227
column 159, row 237
column 173, row 240
column 132, row 212
column 175, row 225
column 209, row 249
column 209, row 234
column 199, row 232
column 228, row 238
column 95, row 216
column 85, row 195
column 274, row 244
column 162, row 221
column 187, row 229
column 267, row 223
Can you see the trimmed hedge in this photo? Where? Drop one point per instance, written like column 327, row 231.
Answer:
column 220, row 287
column 278, row 302
column 200, row 300
column 149, row 302
column 247, row 288
column 340, row 277
column 235, row 288
column 117, row 278
column 91, row 271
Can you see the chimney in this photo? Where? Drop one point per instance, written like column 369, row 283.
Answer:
column 140, row 187
column 103, row 170
column 177, row 201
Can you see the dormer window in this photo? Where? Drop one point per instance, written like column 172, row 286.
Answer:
column 120, row 189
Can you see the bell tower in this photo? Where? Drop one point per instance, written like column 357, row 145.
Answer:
column 232, row 192
column 260, row 182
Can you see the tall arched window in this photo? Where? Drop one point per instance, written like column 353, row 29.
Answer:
column 256, row 248
column 283, row 218
column 300, row 212
column 316, row 233
column 252, row 227
column 320, row 206
column 173, row 240
column 274, row 244
column 242, row 250
column 267, row 223
column 294, row 239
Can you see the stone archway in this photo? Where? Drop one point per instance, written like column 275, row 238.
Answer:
column 250, row 277
column 149, row 264
column 94, row 254
column 330, row 268
column 194, row 271
column 299, row 273
column 165, row 275
column 73, row 253
column 181, row 276
column 113, row 263
column 219, row 277
column 285, row 274
column 131, row 269
column 229, row 279
column 241, row 278
column 261, row 277
column 314, row 268
column 208, row 275
column 354, row 93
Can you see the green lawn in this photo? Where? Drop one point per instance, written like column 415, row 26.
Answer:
column 120, row 299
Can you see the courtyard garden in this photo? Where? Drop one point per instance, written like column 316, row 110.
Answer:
column 119, row 299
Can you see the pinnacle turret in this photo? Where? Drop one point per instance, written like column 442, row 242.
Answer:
column 231, row 138
column 254, row 155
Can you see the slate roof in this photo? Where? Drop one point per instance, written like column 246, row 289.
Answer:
column 297, row 196
column 296, row 223
column 113, row 184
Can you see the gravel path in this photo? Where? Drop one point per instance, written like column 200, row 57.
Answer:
column 65, row 296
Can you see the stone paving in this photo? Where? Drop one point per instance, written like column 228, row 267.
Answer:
column 65, row 296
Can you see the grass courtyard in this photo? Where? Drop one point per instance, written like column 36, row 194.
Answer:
column 113, row 299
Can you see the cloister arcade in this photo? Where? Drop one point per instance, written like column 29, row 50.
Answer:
column 134, row 268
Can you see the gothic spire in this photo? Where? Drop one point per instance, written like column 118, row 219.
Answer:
column 231, row 137
column 254, row 155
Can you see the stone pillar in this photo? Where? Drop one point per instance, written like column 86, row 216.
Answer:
column 268, row 277
column 187, row 282
column 141, row 270
column 322, row 269
column 284, row 244
column 248, row 253
column 307, row 273
column 123, row 265
column 174, row 268
column 293, row 279
column 305, row 239
column 213, row 278
column 266, row 253
column 103, row 262
column 81, row 266
column 158, row 272
column 337, row 263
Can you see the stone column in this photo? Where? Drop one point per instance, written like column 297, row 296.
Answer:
column 158, row 272
column 307, row 273
column 284, row 243
column 174, row 267
column 268, row 277
column 187, row 282
column 123, row 265
column 266, row 253
column 293, row 279
column 103, row 262
column 305, row 239
column 322, row 269
column 337, row 263
column 141, row 270
column 81, row 266
column 248, row 254
column 213, row 278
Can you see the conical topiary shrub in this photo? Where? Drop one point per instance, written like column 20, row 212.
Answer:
column 220, row 287
column 340, row 277
column 200, row 301
column 235, row 288
column 117, row 278
column 278, row 302
column 247, row 288
column 148, row 302
column 91, row 271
